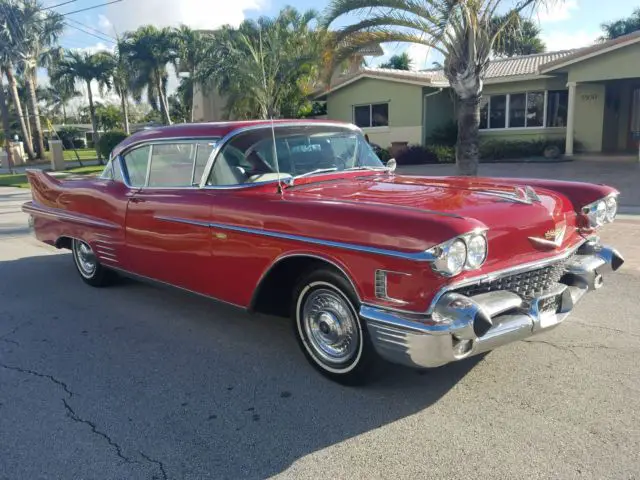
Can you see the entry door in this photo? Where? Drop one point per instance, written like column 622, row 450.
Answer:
column 167, row 226
column 168, row 238
column 634, row 120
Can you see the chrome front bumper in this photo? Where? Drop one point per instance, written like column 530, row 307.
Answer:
column 461, row 326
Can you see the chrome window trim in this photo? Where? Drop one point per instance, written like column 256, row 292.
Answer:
column 423, row 256
column 229, row 136
column 488, row 277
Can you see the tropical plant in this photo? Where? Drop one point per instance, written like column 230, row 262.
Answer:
column 149, row 51
column 36, row 31
column 108, row 116
column 121, row 79
column 463, row 31
column 9, row 38
column 59, row 94
column 398, row 62
column 621, row 27
column 265, row 67
column 81, row 66
column 5, row 134
column 520, row 36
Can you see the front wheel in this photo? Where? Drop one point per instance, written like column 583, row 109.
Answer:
column 88, row 266
column 329, row 330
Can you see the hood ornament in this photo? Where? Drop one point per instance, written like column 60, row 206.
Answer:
column 552, row 238
column 527, row 194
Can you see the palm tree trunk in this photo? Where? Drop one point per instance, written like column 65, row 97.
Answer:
column 4, row 112
column 27, row 119
column 26, row 134
column 64, row 113
column 94, row 122
column 164, row 109
column 193, row 95
column 125, row 112
column 467, row 148
column 33, row 100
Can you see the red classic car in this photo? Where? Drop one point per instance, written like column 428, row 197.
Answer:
column 301, row 218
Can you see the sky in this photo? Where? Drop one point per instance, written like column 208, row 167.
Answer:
column 565, row 24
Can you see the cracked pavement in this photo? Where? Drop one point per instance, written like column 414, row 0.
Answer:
column 141, row 382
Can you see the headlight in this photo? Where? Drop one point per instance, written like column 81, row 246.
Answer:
column 602, row 211
column 476, row 251
column 451, row 258
column 466, row 252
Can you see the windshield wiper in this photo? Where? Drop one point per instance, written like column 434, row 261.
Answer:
column 312, row 172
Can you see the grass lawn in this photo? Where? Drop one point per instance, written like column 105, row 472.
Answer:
column 83, row 153
column 20, row 179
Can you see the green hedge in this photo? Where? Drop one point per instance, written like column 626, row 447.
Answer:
column 108, row 141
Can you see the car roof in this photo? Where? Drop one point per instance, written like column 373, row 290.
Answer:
column 206, row 130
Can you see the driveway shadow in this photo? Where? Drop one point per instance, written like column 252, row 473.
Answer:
column 182, row 384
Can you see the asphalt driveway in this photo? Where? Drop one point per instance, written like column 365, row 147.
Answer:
column 138, row 382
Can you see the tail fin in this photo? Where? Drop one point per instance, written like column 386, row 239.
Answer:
column 44, row 187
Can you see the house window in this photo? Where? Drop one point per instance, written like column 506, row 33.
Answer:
column 557, row 104
column 524, row 110
column 372, row 115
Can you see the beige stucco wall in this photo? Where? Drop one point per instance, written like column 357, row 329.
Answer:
column 405, row 108
column 589, row 116
column 616, row 64
column 552, row 83
column 208, row 105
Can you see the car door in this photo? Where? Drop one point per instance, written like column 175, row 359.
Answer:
column 167, row 233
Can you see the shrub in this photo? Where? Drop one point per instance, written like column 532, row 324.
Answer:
column 508, row 149
column 416, row 155
column 108, row 141
column 445, row 135
column 382, row 153
column 444, row 153
column 70, row 136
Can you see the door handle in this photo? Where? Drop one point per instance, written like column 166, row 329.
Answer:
column 136, row 200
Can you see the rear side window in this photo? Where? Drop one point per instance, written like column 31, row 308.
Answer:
column 136, row 163
column 171, row 164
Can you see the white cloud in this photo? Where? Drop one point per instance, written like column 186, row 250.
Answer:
column 556, row 11
column 422, row 56
column 560, row 40
column 104, row 24
column 199, row 14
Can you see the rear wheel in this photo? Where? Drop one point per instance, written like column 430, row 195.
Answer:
column 328, row 329
column 88, row 266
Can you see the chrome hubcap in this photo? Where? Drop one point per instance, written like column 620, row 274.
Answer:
column 85, row 259
column 330, row 325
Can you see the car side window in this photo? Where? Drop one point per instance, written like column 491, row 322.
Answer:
column 203, row 152
column 172, row 164
column 136, row 164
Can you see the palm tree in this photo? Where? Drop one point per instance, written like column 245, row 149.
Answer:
column 6, row 128
column 461, row 30
column 191, row 51
column 264, row 67
column 58, row 95
column 398, row 62
column 78, row 66
column 9, row 39
column 39, row 31
column 148, row 51
column 520, row 37
column 121, row 80
column 621, row 27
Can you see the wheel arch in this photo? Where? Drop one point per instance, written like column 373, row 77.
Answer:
column 65, row 242
column 272, row 294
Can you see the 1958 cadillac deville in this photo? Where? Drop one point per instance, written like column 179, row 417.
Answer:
column 301, row 218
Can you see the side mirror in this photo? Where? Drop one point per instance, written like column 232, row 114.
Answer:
column 392, row 164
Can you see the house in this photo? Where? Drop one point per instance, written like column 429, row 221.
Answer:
column 589, row 97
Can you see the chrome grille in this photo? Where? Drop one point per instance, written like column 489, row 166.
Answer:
column 527, row 284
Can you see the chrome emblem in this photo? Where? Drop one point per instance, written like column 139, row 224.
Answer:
column 553, row 237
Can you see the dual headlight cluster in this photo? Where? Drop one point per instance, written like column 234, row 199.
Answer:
column 602, row 211
column 466, row 252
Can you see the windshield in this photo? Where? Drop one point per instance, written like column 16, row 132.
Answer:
column 300, row 150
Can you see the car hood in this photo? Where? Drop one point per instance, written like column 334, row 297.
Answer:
column 514, row 226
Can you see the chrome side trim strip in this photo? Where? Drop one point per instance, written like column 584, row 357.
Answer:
column 57, row 214
column 424, row 256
